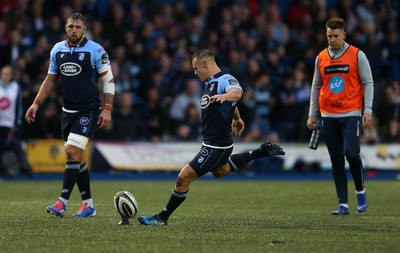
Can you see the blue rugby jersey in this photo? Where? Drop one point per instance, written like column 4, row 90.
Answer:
column 217, row 118
column 78, row 69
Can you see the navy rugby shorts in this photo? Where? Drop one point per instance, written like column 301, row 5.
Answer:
column 81, row 123
column 209, row 159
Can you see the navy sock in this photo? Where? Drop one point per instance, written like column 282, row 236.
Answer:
column 237, row 161
column 71, row 175
column 84, row 182
column 174, row 202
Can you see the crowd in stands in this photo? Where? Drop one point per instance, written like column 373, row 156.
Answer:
column 270, row 47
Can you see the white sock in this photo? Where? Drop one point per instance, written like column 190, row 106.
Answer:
column 65, row 201
column 360, row 192
column 88, row 202
column 344, row 205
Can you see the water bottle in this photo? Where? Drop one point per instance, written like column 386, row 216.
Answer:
column 314, row 140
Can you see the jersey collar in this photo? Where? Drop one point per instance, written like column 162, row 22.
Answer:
column 83, row 43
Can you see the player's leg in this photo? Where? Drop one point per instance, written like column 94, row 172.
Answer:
column 351, row 131
column 74, row 132
column 206, row 160
column 71, row 174
column 237, row 161
column 87, row 209
column 334, row 143
column 185, row 177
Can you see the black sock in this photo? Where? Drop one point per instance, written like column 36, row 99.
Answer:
column 237, row 161
column 71, row 175
column 174, row 202
column 84, row 182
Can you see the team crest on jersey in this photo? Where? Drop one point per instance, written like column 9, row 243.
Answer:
column 212, row 87
column 70, row 69
column 205, row 101
column 81, row 56
column 84, row 121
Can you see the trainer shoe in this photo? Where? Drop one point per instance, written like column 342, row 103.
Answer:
column 85, row 211
column 154, row 220
column 362, row 202
column 342, row 210
column 58, row 209
column 270, row 149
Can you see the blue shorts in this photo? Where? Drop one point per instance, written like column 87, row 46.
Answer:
column 209, row 159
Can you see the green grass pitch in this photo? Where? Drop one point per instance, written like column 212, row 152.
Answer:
column 217, row 216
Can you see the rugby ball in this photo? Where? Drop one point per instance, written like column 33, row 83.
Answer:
column 125, row 204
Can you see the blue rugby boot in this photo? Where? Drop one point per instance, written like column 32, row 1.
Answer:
column 154, row 220
column 362, row 203
column 58, row 209
column 342, row 210
column 85, row 211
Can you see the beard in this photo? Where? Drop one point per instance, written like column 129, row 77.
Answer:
column 73, row 40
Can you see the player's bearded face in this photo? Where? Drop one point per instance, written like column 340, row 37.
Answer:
column 75, row 30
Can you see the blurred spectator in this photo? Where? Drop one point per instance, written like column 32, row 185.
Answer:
column 188, row 128
column 10, row 53
column 388, row 113
column 259, row 102
column 54, row 30
column 153, row 114
column 289, row 110
column 115, row 27
column 189, row 96
column 10, row 120
column 127, row 125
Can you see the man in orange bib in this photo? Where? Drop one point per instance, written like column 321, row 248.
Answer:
column 342, row 91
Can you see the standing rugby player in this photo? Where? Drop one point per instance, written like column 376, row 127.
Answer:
column 76, row 64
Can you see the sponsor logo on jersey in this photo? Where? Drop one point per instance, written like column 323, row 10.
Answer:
column 200, row 160
column 204, row 152
column 336, row 69
column 84, row 121
column 337, row 105
column 4, row 103
column 70, row 69
column 104, row 58
column 233, row 81
column 205, row 101
column 336, row 84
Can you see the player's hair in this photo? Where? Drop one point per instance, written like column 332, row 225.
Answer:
column 203, row 54
column 75, row 17
column 335, row 23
